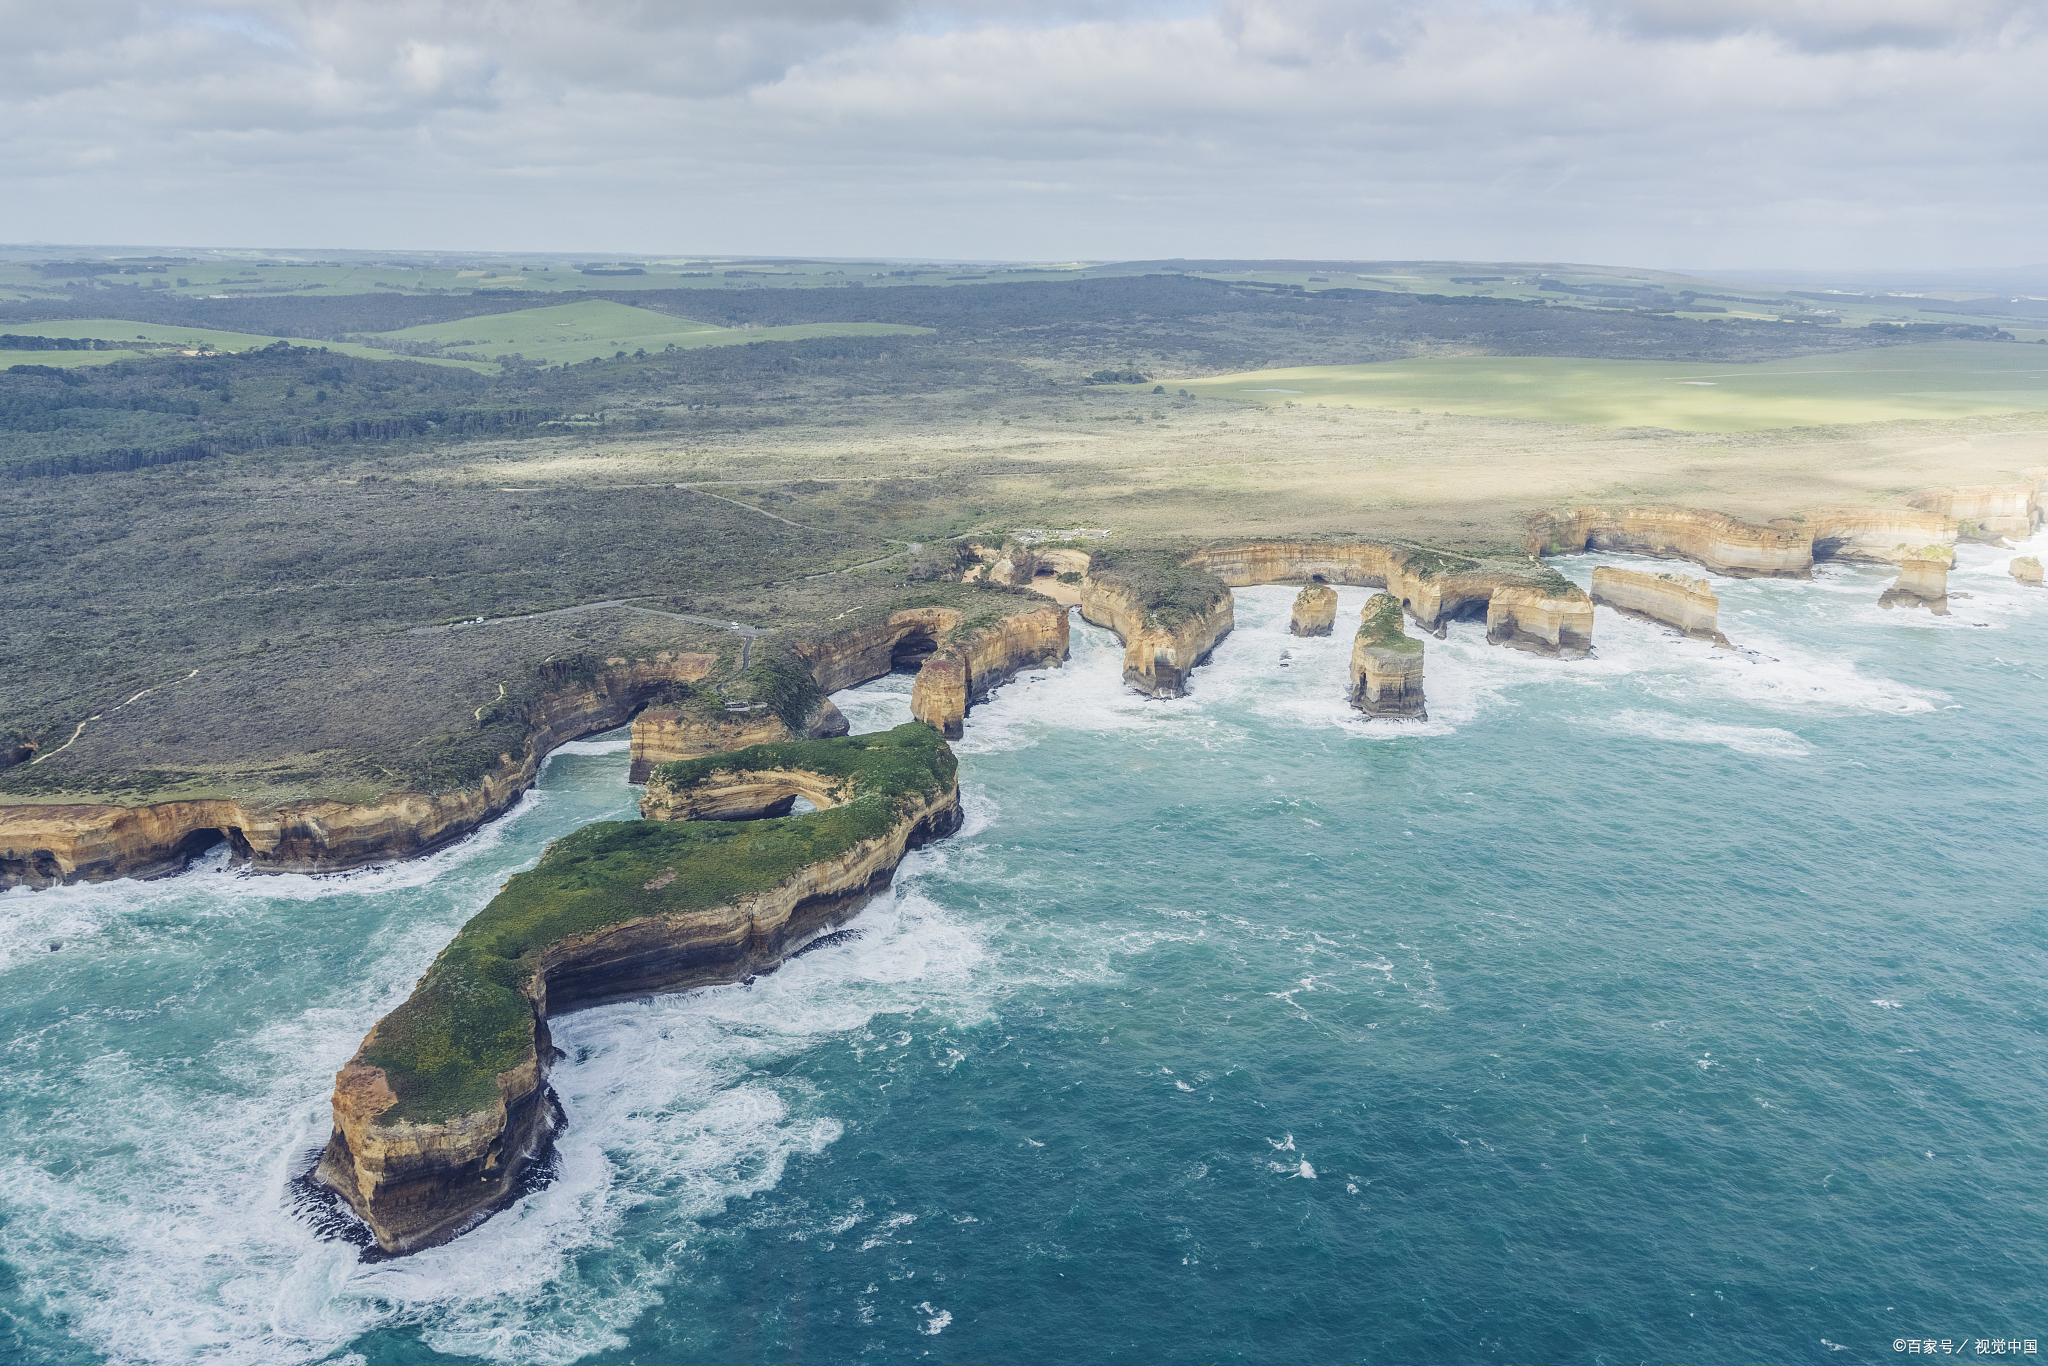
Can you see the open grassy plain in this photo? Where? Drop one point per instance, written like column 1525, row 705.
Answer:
column 593, row 329
column 1898, row 383
column 155, row 339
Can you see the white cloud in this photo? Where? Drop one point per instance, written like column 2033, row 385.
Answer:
column 1654, row 131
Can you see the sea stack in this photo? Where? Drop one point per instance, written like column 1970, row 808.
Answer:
column 1315, row 611
column 1386, row 663
column 1922, row 582
column 1680, row 601
column 2027, row 570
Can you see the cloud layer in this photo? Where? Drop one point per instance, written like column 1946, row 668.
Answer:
column 1659, row 132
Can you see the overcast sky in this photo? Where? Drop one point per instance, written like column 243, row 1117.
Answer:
column 1672, row 133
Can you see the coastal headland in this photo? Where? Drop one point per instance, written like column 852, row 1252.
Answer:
column 445, row 1108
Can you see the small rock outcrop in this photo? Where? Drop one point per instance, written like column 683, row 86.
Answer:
column 1684, row 603
column 1545, row 623
column 446, row 1107
column 1315, row 611
column 1922, row 582
column 1386, row 663
column 1720, row 543
column 1169, row 616
column 2027, row 570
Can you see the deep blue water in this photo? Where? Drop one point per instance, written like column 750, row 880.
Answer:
column 1667, row 1005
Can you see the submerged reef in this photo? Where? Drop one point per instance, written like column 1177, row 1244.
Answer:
column 445, row 1107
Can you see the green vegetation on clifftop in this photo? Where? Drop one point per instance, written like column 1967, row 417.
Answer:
column 1380, row 626
column 469, row 1018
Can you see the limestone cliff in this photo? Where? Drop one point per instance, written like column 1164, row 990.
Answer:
column 446, row 1105
column 1315, row 611
column 49, row 845
column 662, row 735
column 1922, row 582
column 1720, row 543
column 978, row 657
column 1986, row 512
column 2027, row 570
column 1434, row 587
column 1677, row 600
column 1875, row 535
column 842, row 658
column 1386, row 663
column 1169, row 616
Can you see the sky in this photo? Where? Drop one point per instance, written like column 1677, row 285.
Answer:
column 1661, row 133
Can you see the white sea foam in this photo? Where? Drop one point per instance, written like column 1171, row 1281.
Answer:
column 1767, row 741
column 155, row 1217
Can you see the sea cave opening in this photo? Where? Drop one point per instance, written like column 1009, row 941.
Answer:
column 912, row 649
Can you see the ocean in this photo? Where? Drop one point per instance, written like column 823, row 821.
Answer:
column 1675, row 1004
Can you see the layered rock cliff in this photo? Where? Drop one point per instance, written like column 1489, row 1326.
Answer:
column 1386, row 663
column 1687, row 604
column 662, row 735
column 979, row 656
column 1875, row 535
column 1315, row 611
column 1169, row 616
column 1434, row 587
column 49, row 845
column 1922, row 582
column 2026, row 570
column 1723, row 544
column 446, row 1105
column 1986, row 512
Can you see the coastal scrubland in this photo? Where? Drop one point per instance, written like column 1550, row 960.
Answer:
column 216, row 514
column 1903, row 383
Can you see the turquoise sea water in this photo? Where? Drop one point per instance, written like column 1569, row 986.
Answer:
column 1669, row 1005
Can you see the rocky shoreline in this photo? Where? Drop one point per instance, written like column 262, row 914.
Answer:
column 444, row 1112
column 1170, row 608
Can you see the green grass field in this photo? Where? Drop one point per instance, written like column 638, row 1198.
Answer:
column 1888, row 383
column 567, row 333
column 156, row 339
column 560, row 334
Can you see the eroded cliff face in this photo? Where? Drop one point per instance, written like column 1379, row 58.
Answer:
column 1386, row 664
column 972, row 662
column 2026, row 569
column 1315, row 611
column 1876, row 535
column 1986, row 512
column 420, row 1184
column 662, row 735
column 1433, row 588
column 1158, row 654
column 854, row 656
column 1726, row 545
column 1542, row 623
column 46, row 846
column 1680, row 601
column 1922, row 582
